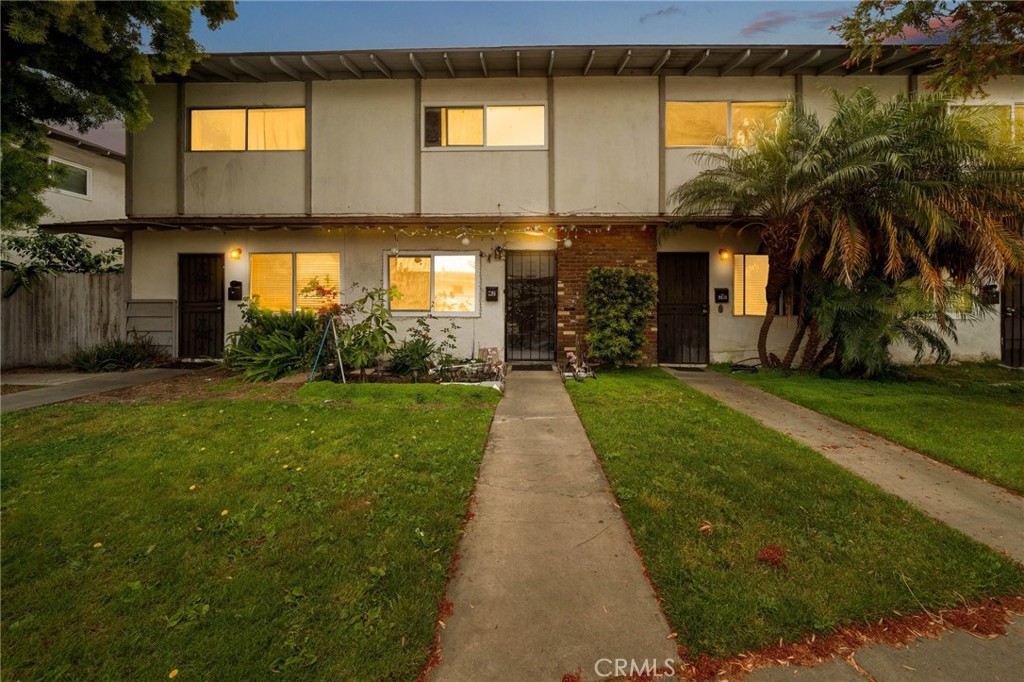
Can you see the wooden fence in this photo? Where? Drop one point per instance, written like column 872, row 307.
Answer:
column 59, row 315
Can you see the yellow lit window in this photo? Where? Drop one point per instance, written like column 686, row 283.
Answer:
column 270, row 278
column 325, row 268
column 518, row 126
column 279, row 278
column 696, row 123
column 455, row 284
column 277, row 129
column 998, row 116
column 218, row 129
column 252, row 129
column 749, row 279
column 439, row 284
column 411, row 276
column 750, row 117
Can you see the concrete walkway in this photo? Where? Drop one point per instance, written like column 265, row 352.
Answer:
column 956, row 657
column 549, row 582
column 985, row 512
column 57, row 388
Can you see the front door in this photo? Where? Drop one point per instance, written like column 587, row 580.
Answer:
column 200, row 305
column 530, row 288
column 683, row 308
column 1012, row 317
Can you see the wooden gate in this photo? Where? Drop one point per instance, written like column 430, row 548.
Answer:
column 200, row 305
column 683, row 309
column 530, row 289
column 1012, row 317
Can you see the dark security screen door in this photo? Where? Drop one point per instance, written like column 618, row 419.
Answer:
column 530, row 305
column 683, row 308
column 200, row 305
column 1012, row 317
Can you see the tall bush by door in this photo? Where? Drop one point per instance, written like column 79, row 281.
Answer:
column 618, row 303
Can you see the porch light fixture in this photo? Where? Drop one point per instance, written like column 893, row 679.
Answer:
column 723, row 254
column 235, row 253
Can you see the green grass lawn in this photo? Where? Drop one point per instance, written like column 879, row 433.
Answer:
column 969, row 415
column 676, row 458
column 235, row 539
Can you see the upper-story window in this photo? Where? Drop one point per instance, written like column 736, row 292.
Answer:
column 237, row 130
column 706, row 124
column 484, row 126
column 72, row 178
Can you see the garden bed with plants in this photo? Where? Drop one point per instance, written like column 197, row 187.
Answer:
column 352, row 341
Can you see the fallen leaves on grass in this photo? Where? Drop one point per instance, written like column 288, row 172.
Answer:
column 773, row 555
column 707, row 528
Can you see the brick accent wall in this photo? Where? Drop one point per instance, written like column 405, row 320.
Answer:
column 628, row 246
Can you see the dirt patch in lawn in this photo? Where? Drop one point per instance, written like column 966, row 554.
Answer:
column 7, row 389
column 986, row 620
column 211, row 383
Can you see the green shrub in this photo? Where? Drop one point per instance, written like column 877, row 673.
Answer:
column 413, row 356
column 618, row 302
column 270, row 345
column 119, row 355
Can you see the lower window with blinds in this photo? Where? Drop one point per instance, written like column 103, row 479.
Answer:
column 277, row 280
column 749, row 279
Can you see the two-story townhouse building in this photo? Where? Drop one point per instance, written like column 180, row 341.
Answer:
column 482, row 183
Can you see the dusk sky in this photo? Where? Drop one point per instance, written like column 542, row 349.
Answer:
column 302, row 25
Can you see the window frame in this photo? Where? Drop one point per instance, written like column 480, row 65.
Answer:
column 88, row 178
column 728, row 120
column 477, row 312
column 246, row 109
column 484, row 147
column 295, row 271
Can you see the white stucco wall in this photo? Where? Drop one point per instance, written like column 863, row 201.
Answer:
column 817, row 90
column 606, row 145
column 364, row 147
column 154, row 151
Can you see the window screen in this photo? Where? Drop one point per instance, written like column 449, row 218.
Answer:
column 696, row 123
column 454, row 126
column 270, row 278
column 750, row 117
column 325, row 268
column 218, row 129
column 455, row 284
column 277, row 129
column 750, row 277
column 411, row 276
column 518, row 126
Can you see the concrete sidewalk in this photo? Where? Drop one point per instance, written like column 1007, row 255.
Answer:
column 985, row 512
column 956, row 657
column 549, row 582
column 60, row 387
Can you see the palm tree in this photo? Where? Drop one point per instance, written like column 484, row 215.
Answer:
column 894, row 189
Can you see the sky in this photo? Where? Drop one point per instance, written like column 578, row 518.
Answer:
column 286, row 25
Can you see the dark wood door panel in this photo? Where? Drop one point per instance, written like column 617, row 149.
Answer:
column 683, row 308
column 200, row 305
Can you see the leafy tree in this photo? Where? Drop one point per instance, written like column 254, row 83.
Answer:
column 81, row 64
column 979, row 39
column 891, row 190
